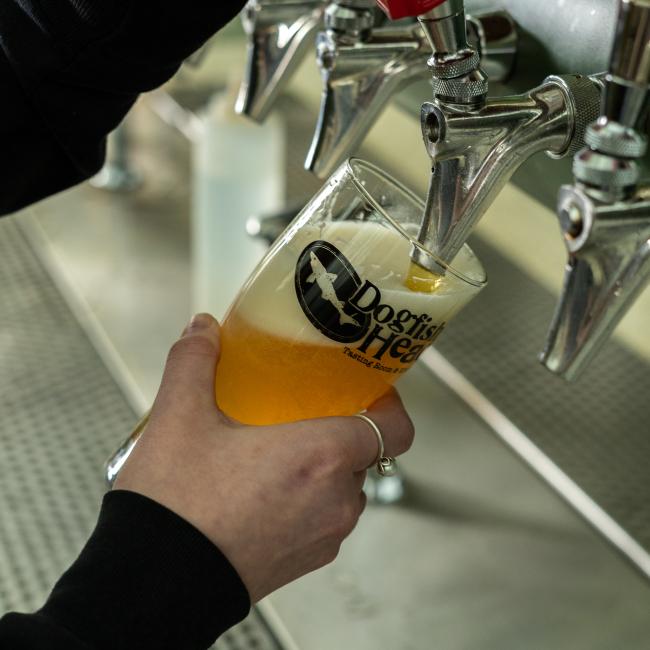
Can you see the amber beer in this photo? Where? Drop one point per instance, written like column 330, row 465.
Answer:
column 326, row 324
column 337, row 311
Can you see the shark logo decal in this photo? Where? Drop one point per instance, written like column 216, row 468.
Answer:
column 325, row 280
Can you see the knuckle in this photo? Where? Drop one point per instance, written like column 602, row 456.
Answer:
column 306, row 472
column 332, row 553
column 402, row 434
column 315, row 468
column 363, row 501
column 340, row 530
column 407, row 429
column 347, row 521
column 330, row 455
column 191, row 346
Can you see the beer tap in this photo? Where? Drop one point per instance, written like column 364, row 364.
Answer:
column 605, row 215
column 279, row 32
column 363, row 70
column 475, row 142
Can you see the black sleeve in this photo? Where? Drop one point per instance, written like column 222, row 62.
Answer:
column 145, row 580
column 69, row 72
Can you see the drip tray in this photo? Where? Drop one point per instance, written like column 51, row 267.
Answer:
column 597, row 430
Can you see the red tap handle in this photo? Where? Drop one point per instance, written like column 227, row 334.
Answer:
column 396, row 9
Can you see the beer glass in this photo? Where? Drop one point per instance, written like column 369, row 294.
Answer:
column 336, row 311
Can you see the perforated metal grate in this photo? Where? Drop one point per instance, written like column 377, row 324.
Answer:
column 597, row 430
column 61, row 414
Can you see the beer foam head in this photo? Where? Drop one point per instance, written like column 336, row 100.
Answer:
column 378, row 254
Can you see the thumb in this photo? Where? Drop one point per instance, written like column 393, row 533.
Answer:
column 188, row 379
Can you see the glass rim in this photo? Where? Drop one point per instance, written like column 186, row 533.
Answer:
column 395, row 224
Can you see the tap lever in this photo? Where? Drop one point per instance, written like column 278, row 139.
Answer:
column 444, row 24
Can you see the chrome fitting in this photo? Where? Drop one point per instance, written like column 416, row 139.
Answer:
column 583, row 98
column 615, row 139
column 445, row 66
column 469, row 89
column 607, row 172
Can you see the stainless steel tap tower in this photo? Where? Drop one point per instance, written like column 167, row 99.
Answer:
column 605, row 214
column 476, row 141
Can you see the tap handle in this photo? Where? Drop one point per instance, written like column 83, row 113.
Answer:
column 630, row 58
column 444, row 25
column 396, row 9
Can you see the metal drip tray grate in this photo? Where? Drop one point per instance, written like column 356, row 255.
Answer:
column 597, row 431
column 61, row 414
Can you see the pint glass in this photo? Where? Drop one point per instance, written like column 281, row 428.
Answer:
column 336, row 312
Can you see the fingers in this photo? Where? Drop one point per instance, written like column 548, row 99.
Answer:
column 351, row 507
column 351, row 443
column 393, row 422
column 191, row 364
column 389, row 414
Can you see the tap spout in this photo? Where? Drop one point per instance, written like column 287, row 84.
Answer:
column 474, row 152
column 605, row 214
column 358, row 80
column 279, row 32
column 608, row 266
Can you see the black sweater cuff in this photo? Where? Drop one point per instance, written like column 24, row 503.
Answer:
column 145, row 579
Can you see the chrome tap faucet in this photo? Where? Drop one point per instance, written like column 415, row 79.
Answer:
column 476, row 143
column 363, row 70
column 605, row 215
column 279, row 32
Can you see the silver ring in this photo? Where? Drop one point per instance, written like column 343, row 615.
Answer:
column 385, row 465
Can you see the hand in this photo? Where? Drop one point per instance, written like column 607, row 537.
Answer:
column 277, row 500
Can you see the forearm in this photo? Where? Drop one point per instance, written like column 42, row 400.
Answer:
column 145, row 579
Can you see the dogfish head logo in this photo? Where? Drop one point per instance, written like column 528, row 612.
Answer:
column 348, row 310
column 325, row 281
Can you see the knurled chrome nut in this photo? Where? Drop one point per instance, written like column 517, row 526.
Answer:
column 584, row 96
column 600, row 170
column 615, row 139
column 461, row 89
column 458, row 66
column 346, row 19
